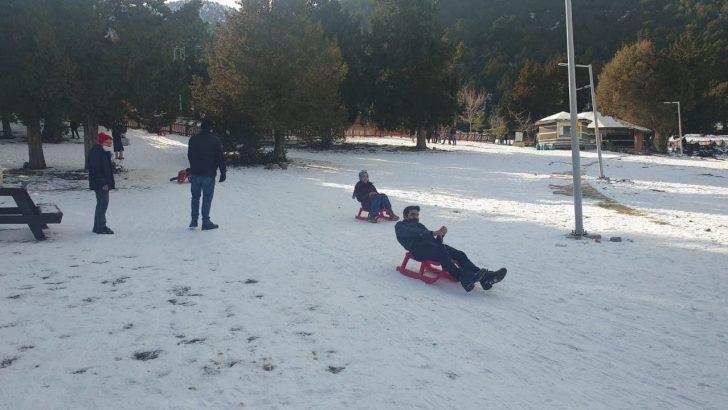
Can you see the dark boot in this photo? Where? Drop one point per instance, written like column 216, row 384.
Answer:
column 468, row 279
column 206, row 226
column 491, row 278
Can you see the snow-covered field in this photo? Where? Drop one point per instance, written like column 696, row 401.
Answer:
column 293, row 304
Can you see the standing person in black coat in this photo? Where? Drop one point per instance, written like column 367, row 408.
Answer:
column 74, row 130
column 117, row 131
column 204, row 152
column 101, row 180
column 424, row 244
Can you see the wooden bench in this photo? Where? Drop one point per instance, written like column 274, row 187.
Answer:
column 28, row 213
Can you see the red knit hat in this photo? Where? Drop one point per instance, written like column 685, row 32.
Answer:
column 103, row 137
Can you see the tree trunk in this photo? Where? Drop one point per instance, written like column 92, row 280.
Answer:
column 421, row 142
column 52, row 126
column 7, row 131
column 279, row 146
column 90, row 131
column 36, row 160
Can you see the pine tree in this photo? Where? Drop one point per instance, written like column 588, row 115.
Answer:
column 273, row 67
column 43, row 75
column 411, row 64
column 635, row 85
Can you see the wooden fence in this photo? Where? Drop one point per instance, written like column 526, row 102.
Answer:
column 185, row 129
column 371, row 132
column 179, row 128
column 362, row 131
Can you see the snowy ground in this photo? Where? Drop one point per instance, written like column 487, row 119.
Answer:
column 293, row 303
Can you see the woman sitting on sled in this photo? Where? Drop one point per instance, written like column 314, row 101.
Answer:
column 377, row 204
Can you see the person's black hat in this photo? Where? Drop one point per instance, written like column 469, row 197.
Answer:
column 206, row 124
column 410, row 208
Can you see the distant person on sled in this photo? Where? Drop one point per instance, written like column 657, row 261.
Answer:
column 371, row 200
column 182, row 176
column 425, row 244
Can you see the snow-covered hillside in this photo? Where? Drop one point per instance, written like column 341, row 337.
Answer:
column 294, row 304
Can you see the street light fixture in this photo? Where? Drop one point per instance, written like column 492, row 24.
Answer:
column 679, row 123
column 575, row 159
column 596, row 118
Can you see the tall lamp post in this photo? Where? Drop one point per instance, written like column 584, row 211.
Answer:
column 575, row 159
column 679, row 123
column 596, row 119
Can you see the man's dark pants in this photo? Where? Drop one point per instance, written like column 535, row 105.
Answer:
column 444, row 254
column 102, row 204
column 205, row 186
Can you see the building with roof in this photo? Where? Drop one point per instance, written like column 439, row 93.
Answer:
column 619, row 135
column 616, row 134
column 554, row 132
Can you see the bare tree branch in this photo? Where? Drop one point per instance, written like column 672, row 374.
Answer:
column 473, row 103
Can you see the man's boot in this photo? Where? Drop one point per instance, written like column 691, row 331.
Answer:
column 468, row 279
column 206, row 226
column 491, row 278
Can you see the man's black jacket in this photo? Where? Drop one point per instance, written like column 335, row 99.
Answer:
column 100, row 171
column 408, row 232
column 205, row 154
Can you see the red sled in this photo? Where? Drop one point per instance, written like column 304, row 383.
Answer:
column 381, row 215
column 430, row 271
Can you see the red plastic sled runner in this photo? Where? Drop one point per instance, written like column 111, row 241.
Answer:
column 430, row 271
column 381, row 215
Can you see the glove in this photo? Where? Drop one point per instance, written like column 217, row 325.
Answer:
column 223, row 177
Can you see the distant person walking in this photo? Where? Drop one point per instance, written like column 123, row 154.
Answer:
column 204, row 152
column 453, row 136
column 101, row 180
column 74, row 130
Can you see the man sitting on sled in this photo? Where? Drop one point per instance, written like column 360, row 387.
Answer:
column 424, row 244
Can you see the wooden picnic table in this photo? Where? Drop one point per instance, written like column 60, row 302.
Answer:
column 26, row 212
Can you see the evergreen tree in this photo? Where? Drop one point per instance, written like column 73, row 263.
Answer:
column 41, row 71
column 411, row 63
column 539, row 89
column 635, row 85
column 273, row 67
column 347, row 31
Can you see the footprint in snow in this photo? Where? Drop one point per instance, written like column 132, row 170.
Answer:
column 191, row 341
column 148, row 355
column 335, row 369
column 7, row 361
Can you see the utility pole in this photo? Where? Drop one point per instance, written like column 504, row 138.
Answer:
column 575, row 158
column 679, row 124
column 594, row 109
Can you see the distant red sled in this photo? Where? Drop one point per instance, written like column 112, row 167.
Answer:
column 430, row 271
column 381, row 215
